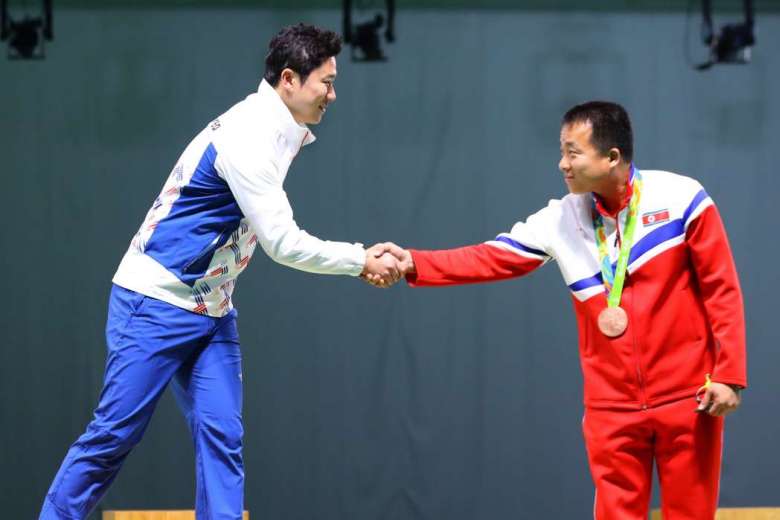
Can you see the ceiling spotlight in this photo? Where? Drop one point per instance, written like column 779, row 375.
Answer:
column 734, row 42
column 25, row 37
column 364, row 37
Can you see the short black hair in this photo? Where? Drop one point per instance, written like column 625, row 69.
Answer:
column 611, row 126
column 299, row 47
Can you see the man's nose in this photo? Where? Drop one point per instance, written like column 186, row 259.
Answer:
column 563, row 164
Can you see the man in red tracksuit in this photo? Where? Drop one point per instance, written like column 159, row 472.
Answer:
column 658, row 306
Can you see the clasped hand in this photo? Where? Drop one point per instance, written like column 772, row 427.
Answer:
column 386, row 263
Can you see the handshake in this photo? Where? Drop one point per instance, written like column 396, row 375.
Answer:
column 386, row 263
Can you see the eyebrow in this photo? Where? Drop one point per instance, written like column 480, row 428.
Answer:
column 329, row 77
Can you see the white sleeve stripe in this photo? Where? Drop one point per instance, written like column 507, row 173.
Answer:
column 519, row 252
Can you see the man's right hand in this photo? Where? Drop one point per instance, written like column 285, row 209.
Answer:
column 386, row 263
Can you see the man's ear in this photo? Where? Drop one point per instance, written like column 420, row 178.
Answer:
column 289, row 79
column 614, row 157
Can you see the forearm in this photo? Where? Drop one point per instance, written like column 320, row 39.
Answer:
column 466, row 265
column 293, row 247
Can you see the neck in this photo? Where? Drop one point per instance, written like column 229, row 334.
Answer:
column 284, row 96
column 613, row 193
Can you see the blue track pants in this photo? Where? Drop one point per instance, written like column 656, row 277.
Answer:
column 151, row 343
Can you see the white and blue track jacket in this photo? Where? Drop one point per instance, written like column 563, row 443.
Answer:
column 224, row 195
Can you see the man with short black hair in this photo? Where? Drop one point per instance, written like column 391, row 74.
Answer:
column 658, row 306
column 171, row 315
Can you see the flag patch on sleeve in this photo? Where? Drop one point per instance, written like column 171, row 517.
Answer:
column 655, row 217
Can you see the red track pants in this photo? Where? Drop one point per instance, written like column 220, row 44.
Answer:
column 686, row 447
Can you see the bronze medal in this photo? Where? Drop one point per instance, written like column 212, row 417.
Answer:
column 613, row 321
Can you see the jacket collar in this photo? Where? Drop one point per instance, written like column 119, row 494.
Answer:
column 626, row 197
column 296, row 134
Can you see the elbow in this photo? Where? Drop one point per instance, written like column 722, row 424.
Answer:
column 281, row 250
column 275, row 252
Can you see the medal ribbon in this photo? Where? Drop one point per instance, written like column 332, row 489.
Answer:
column 613, row 280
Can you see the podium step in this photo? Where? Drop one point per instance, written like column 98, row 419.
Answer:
column 154, row 515
column 737, row 513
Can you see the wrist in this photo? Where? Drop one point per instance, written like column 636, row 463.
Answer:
column 737, row 388
column 366, row 263
column 410, row 267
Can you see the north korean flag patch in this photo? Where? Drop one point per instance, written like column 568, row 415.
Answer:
column 655, row 217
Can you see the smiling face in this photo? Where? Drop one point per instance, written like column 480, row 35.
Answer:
column 309, row 100
column 585, row 168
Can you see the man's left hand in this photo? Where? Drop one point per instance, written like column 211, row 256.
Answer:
column 718, row 400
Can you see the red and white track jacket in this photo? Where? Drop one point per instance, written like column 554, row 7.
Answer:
column 681, row 293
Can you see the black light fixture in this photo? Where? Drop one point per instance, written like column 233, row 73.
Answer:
column 364, row 37
column 734, row 42
column 25, row 37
